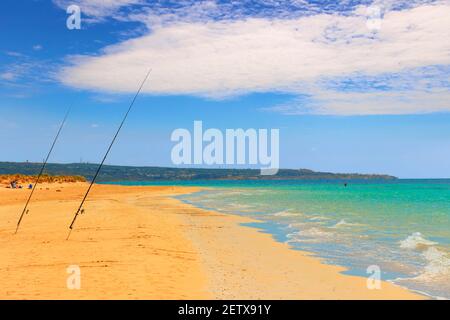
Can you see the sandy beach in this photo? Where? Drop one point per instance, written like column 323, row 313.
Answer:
column 140, row 243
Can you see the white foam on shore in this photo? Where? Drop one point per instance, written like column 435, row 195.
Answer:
column 438, row 265
column 434, row 275
column 309, row 235
column 287, row 213
column 298, row 225
column 344, row 223
column 318, row 218
column 316, row 232
column 416, row 241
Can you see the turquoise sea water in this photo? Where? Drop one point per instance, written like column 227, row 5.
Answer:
column 402, row 226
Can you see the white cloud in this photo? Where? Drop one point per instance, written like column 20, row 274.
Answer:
column 14, row 54
column 8, row 76
column 224, row 58
column 163, row 11
column 368, row 103
column 22, row 75
column 37, row 47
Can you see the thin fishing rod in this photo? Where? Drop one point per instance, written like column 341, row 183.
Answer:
column 42, row 170
column 80, row 208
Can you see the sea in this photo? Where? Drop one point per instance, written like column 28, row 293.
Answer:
column 400, row 228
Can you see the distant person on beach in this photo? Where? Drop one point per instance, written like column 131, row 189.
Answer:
column 13, row 184
column 30, row 186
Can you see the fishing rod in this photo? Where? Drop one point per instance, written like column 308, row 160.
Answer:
column 25, row 211
column 80, row 208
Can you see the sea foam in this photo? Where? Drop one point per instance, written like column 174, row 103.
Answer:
column 343, row 223
column 433, row 277
column 287, row 213
column 438, row 264
column 416, row 241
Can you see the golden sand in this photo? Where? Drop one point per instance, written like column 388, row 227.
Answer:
column 140, row 243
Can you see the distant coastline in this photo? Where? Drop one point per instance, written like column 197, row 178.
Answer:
column 113, row 173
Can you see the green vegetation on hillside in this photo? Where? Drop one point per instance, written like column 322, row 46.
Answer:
column 124, row 173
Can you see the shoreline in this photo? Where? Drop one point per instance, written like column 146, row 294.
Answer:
column 340, row 286
column 141, row 243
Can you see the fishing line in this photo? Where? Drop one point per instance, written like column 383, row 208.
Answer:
column 25, row 211
column 80, row 208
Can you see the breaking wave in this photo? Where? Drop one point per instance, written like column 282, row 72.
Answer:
column 344, row 223
column 287, row 213
column 416, row 241
column 309, row 235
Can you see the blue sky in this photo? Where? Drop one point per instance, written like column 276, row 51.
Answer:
column 347, row 95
